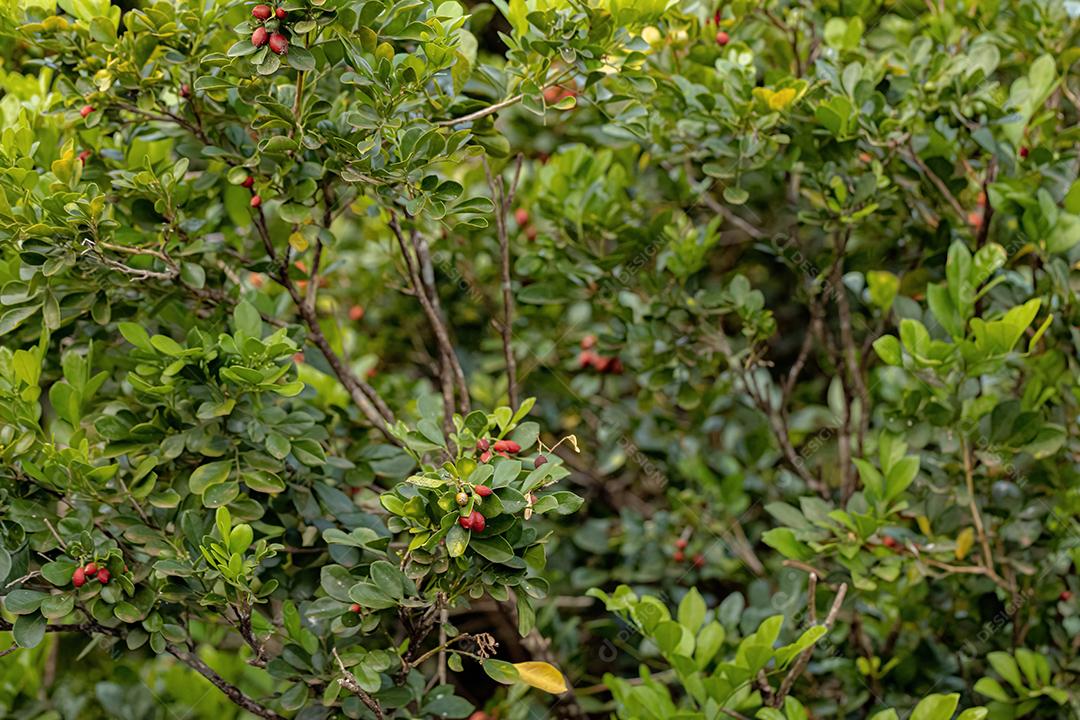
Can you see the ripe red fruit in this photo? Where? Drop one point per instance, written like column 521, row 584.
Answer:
column 103, row 576
column 482, row 490
column 540, row 460
column 248, row 182
column 465, row 521
column 586, row 358
column 476, row 521
column 185, row 91
column 91, row 569
column 1065, row 596
column 84, row 156
column 521, row 216
column 256, row 201
column 722, row 38
column 483, row 444
column 86, row 110
column 1023, row 151
column 485, row 456
column 552, row 94
column 279, row 43
column 699, row 561
column 261, row 12
column 681, row 543
column 355, row 607
column 259, row 37
column 530, row 233
column 506, row 446
column 589, row 341
column 280, row 12
column 679, row 556
column 890, row 542
column 356, row 312
column 78, row 578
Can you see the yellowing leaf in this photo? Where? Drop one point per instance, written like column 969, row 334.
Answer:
column 298, row 241
column 924, row 525
column 542, row 675
column 781, row 99
column 964, row 541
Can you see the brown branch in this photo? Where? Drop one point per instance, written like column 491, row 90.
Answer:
column 235, row 694
column 435, row 320
column 363, row 395
column 348, row 681
column 976, row 517
column 854, row 368
column 804, row 658
column 938, row 182
column 503, row 199
column 489, row 110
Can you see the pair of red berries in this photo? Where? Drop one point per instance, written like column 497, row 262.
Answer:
column 261, row 36
column 473, row 521
column 90, row 570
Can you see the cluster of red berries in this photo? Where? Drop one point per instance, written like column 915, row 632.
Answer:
column 506, row 448
column 90, row 571
column 249, row 183
column 261, row 36
column 680, row 554
column 588, row 357
column 521, row 216
column 473, row 521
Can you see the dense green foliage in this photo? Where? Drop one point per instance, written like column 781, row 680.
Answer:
column 396, row 358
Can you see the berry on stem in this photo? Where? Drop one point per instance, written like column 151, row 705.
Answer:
column 482, row 490
column 461, row 499
column 477, row 521
column 279, row 43
column 355, row 607
column 261, row 12
column 1065, row 596
column 679, row 556
column 681, row 543
column 103, row 576
column 699, row 561
column 281, row 14
column 248, row 181
column 1023, row 151
column 185, row 91
column 483, row 444
column 256, row 201
column 84, row 156
column 356, row 312
column 540, row 460
column 722, row 38
column 91, row 569
column 260, row 37
column 521, row 216
column 86, row 110
column 78, row 578
column 506, row 446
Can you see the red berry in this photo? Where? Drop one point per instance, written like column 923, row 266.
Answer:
column 476, row 520
column 1023, row 151
column 681, row 543
column 586, row 358
column 1065, row 596
column 279, row 43
column 465, row 521
column 589, row 341
column 185, row 91
column 483, row 444
column 540, row 460
column 722, row 38
column 261, row 12
column 84, row 156
column 259, row 37
column 890, row 542
column 103, row 576
column 530, row 233
column 91, row 569
column 355, row 607
column 699, row 561
column 78, row 578
column 485, row 456
column 482, row 490
column 679, row 556
column 521, row 216
column 356, row 312
column 506, row 446
column 86, row 110
column 256, row 201
column 280, row 12
column 248, row 181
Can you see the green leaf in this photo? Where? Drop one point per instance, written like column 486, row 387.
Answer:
column 208, row 475
column 692, row 610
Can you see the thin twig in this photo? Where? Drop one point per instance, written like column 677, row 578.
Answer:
column 804, row 658
column 348, row 681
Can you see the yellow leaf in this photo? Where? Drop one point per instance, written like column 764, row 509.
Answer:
column 781, row 99
column 924, row 525
column 542, row 675
column 298, row 242
column 964, row 541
